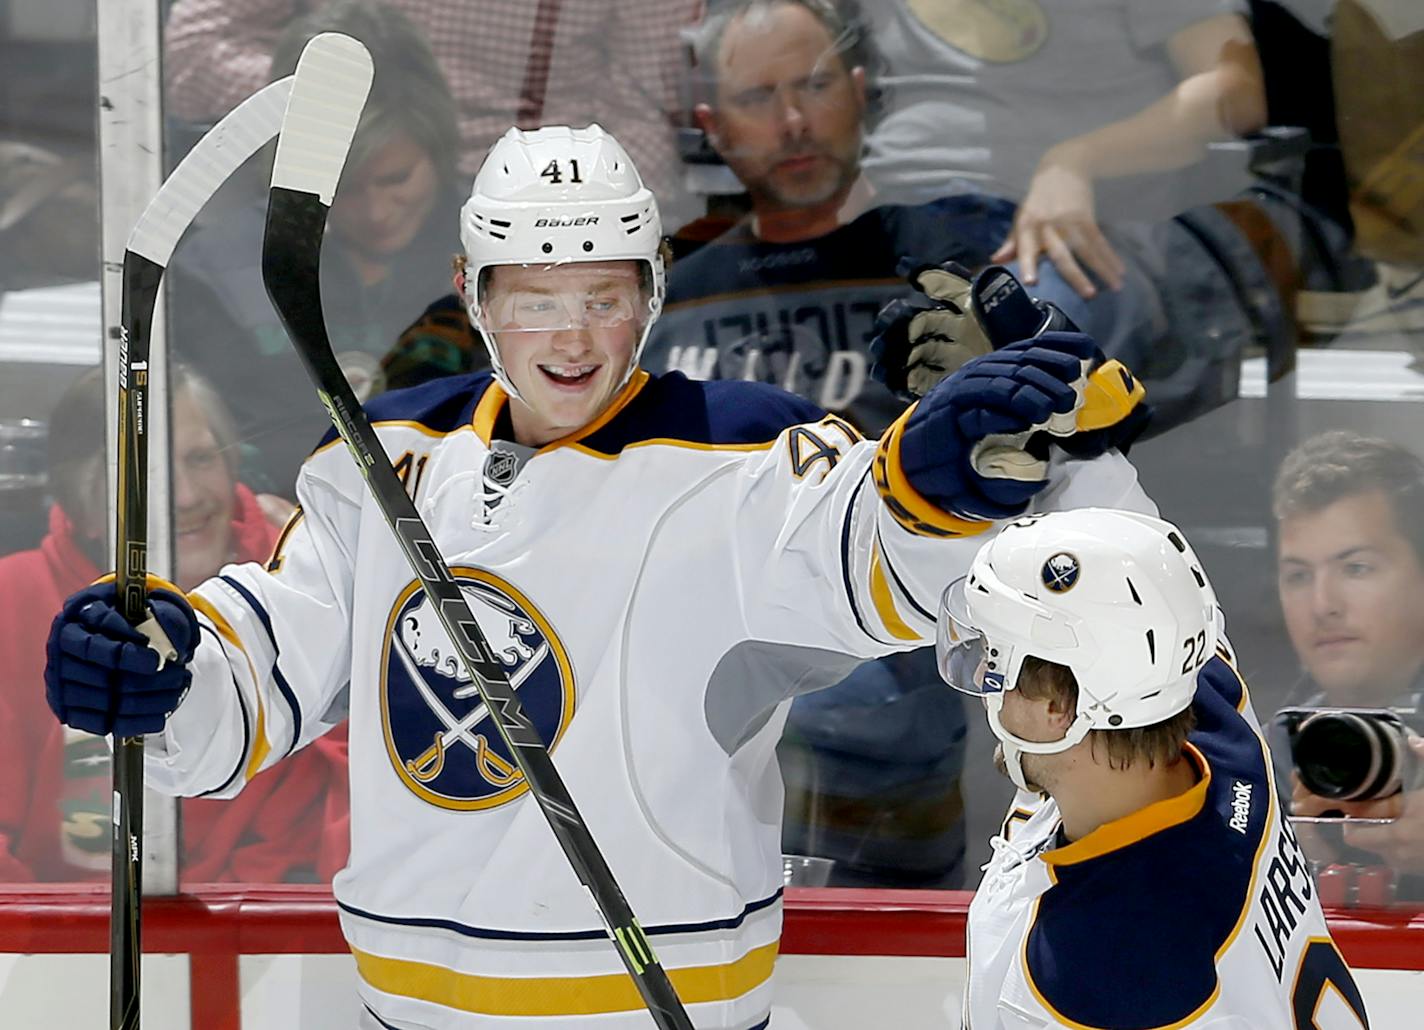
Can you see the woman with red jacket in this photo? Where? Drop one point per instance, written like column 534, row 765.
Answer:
column 54, row 790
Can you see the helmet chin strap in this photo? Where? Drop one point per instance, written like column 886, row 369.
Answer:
column 1013, row 762
column 1015, row 747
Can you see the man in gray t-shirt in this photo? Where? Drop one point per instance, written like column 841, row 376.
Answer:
column 1082, row 111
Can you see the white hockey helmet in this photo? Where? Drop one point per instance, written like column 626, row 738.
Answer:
column 555, row 195
column 1118, row 597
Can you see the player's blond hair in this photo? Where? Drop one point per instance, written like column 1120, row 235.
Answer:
column 1150, row 746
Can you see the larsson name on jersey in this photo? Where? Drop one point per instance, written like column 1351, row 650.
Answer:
column 1285, row 889
column 441, row 738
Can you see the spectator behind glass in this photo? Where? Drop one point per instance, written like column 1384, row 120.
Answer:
column 54, row 820
column 789, row 296
column 784, row 106
column 508, row 62
column 872, row 765
column 1082, row 112
column 1377, row 48
column 1094, row 117
column 1351, row 582
column 385, row 256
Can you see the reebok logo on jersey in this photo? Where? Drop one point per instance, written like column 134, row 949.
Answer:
column 564, row 223
column 1240, row 806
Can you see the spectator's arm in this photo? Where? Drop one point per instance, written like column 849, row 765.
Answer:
column 216, row 53
column 1221, row 95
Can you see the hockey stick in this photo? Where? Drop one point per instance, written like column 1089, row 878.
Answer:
column 212, row 160
column 332, row 79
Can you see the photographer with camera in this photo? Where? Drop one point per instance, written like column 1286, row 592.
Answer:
column 1351, row 581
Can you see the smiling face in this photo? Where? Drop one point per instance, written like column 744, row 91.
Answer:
column 1352, row 592
column 566, row 336
column 202, row 495
column 788, row 111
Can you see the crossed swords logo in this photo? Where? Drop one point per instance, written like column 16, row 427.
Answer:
column 491, row 766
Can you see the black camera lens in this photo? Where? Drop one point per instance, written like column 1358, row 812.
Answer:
column 1349, row 757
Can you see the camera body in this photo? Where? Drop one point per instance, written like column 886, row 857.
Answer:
column 1352, row 754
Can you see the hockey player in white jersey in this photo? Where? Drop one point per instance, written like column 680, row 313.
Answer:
column 661, row 564
column 1155, row 882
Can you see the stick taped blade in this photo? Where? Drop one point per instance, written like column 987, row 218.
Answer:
column 333, row 78
column 241, row 133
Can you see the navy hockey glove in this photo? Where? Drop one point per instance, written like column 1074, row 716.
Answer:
column 966, row 447
column 920, row 340
column 102, row 675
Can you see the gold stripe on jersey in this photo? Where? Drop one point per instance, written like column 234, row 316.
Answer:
column 261, row 746
column 555, row 996
column 904, row 502
column 884, row 599
column 276, row 558
column 1245, row 701
column 400, row 423
column 662, row 441
column 494, row 400
column 1139, row 825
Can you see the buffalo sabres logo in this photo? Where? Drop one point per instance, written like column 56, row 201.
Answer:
column 440, row 736
column 1060, row 573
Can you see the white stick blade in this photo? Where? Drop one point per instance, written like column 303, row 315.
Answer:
column 242, row 132
column 333, row 78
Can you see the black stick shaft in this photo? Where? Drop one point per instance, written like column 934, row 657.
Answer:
column 291, row 250
column 140, row 296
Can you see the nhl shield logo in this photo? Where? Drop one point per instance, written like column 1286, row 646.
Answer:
column 441, row 738
column 501, row 466
column 1060, row 573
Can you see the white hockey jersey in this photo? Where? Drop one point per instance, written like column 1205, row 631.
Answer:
column 659, row 586
column 1198, row 911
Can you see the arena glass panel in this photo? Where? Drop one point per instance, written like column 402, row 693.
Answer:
column 59, row 416
column 1233, row 278
column 1267, row 298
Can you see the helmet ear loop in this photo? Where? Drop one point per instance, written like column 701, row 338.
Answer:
column 472, row 309
column 655, row 308
column 1077, row 730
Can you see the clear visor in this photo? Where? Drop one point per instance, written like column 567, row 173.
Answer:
column 960, row 650
column 553, row 298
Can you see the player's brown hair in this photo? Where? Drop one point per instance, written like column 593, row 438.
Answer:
column 1331, row 466
column 1158, row 744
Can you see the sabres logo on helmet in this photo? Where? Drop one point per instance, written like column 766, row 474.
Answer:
column 1060, row 573
column 441, row 738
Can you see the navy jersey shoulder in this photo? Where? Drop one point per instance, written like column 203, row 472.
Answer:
column 1155, row 912
column 673, row 407
column 440, row 405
